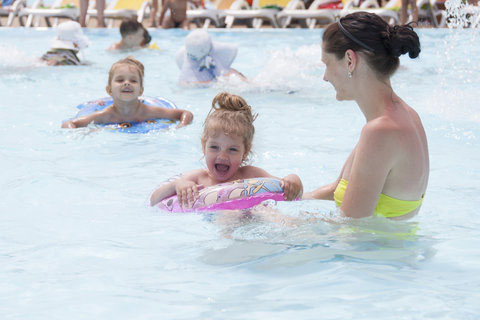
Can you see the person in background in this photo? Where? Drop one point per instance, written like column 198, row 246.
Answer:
column 65, row 46
column 202, row 60
column 176, row 18
column 125, row 85
column 100, row 9
column 404, row 12
column 134, row 36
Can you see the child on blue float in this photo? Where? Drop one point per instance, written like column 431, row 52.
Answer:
column 226, row 144
column 125, row 85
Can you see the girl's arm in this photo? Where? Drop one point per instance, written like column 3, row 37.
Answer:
column 164, row 191
column 96, row 117
column 185, row 187
column 291, row 184
column 184, row 116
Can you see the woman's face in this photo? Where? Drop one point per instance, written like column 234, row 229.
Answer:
column 336, row 73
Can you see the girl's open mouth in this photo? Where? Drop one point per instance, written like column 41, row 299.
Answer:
column 222, row 168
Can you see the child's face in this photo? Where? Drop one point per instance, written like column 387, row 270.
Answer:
column 224, row 154
column 126, row 83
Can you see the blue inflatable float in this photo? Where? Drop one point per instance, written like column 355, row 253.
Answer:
column 130, row 127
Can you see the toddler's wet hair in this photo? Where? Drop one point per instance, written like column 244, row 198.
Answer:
column 231, row 115
column 129, row 61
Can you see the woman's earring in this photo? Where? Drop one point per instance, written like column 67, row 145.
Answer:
column 349, row 74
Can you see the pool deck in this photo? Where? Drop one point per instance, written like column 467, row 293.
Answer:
column 93, row 23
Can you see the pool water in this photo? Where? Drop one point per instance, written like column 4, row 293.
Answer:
column 78, row 240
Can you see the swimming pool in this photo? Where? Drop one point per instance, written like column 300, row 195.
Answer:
column 78, row 241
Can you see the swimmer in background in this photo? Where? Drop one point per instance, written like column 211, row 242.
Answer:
column 226, row 143
column 125, row 85
column 178, row 14
column 134, row 36
column 202, row 60
column 66, row 45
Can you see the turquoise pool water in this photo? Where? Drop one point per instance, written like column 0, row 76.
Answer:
column 78, row 241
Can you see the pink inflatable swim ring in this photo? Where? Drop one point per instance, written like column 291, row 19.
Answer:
column 235, row 195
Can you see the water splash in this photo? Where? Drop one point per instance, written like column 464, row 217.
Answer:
column 286, row 70
column 13, row 58
column 461, row 14
column 270, row 239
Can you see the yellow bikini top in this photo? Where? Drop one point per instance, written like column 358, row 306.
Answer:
column 387, row 206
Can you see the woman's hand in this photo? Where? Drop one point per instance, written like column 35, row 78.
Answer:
column 187, row 192
column 292, row 187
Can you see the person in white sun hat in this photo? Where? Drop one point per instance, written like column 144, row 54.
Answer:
column 65, row 46
column 202, row 60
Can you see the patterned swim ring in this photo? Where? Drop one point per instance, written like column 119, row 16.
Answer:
column 235, row 195
column 130, row 127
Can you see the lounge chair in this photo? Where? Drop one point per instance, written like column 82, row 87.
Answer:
column 68, row 9
column 10, row 9
column 122, row 9
column 296, row 10
column 207, row 15
column 259, row 11
column 389, row 12
column 433, row 11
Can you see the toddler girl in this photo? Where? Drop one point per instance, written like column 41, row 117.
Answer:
column 66, row 45
column 226, row 143
column 125, row 85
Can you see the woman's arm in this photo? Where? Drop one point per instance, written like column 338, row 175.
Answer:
column 374, row 158
column 322, row 193
column 326, row 192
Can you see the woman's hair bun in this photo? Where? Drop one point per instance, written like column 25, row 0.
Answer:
column 399, row 40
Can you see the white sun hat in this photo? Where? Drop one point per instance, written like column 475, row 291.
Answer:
column 202, row 59
column 70, row 36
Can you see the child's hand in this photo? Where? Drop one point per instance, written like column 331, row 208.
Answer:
column 292, row 187
column 187, row 192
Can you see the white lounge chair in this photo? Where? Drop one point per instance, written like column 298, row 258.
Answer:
column 10, row 9
column 122, row 9
column 296, row 10
column 430, row 10
column 261, row 10
column 207, row 15
column 389, row 12
column 68, row 9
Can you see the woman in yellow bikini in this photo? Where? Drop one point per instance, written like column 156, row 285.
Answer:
column 387, row 172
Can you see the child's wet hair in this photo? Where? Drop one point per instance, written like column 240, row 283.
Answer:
column 130, row 26
column 131, row 61
column 231, row 115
